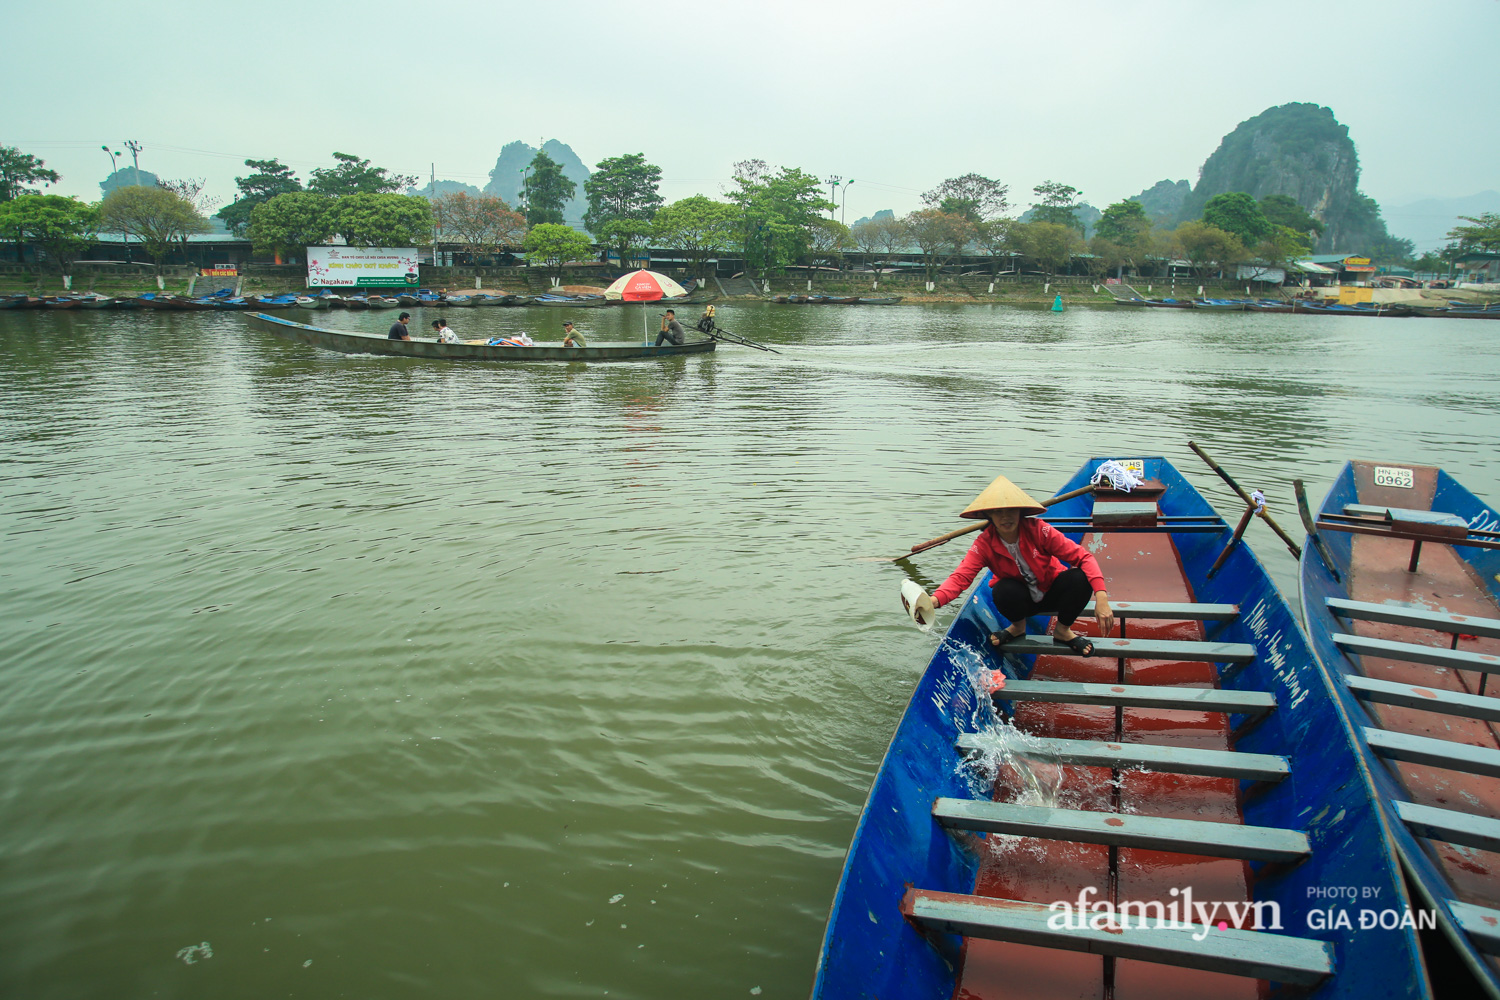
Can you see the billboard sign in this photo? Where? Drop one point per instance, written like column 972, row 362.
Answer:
column 362, row 267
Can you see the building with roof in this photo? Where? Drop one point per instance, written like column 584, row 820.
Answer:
column 1478, row 267
column 1348, row 269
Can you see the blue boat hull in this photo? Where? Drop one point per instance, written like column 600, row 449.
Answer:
column 871, row 951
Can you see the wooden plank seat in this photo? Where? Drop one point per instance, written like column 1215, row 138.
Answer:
column 1168, row 610
column 1415, row 652
column 1142, row 649
column 1398, row 614
column 1480, row 923
column 1184, row 836
column 1436, row 753
column 1141, row 756
column 1172, row 524
column 1469, row 706
column 1255, row 954
column 1253, row 703
column 1450, row 825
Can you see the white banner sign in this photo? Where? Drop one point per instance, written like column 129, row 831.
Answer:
column 361, row 267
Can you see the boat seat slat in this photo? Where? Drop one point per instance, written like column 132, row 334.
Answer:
column 1142, row 756
column 1168, row 610
column 1437, row 753
column 1141, row 696
column 1412, row 652
column 1255, row 954
column 1396, row 614
column 1469, row 706
column 1480, row 923
column 1184, row 836
column 1143, row 649
column 1450, row 825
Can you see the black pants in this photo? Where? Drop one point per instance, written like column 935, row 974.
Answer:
column 1066, row 597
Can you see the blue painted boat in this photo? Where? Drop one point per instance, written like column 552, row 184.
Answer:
column 1097, row 779
column 1401, row 600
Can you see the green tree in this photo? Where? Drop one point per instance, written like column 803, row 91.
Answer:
column 1482, row 233
column 1209, row 248
column 777, row 212
column 290, row 223
column 1283, row 244
column 483, row 223
column 1056, row 203
column 828, row 241
column 1049, row 245
column 553, row 245
column 621, row 187
column 546, row 190
column 996, row 237
column 383, row 220
column 1283, row 210
column 270, row 178
column 18, row 169
column 1124, row 222
column 973, row 196
column 627, row 237
column 696, row 227
column 62, row 227
column 351, row 175
column 1237, row 213
column 154, row 216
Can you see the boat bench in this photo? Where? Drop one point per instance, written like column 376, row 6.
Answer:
column 1479, row 923
column 1141, row 756
column 1168, row 610
column 1184, row 836
column 1450, row 825
column 1141, row 649
column 1253, row 703
column 1256, row 954
column 1395, row 614
column 1469, row 706
column 1415, row 652
column 1135, row 522
column 1436, row 753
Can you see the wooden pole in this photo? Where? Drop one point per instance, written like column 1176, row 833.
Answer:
column 1239, row 530
column 977, row 525
column 1308, row 523
column 1292, row 546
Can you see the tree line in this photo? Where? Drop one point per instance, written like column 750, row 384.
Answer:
column 772, row 217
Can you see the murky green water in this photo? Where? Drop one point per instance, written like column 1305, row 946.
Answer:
column 403, row 679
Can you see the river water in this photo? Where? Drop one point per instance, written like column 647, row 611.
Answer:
column 347, row 676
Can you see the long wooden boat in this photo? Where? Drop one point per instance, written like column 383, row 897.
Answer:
column 1401, row 600
column 1200, row 750
column 888, row 300
column 350, row 342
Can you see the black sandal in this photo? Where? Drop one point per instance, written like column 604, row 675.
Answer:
column 1080, row 644
column 1000, row 638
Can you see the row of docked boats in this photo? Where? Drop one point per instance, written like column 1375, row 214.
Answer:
column 150, row 300
column 226, row 300
column 1221, row 800
column 834, row 300
column 1453, row 310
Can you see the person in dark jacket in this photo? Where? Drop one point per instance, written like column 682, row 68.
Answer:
column 1027, row 557
column 398, row 328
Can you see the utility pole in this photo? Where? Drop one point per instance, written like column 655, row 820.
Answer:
column 135, row 158
column 833, row 191
column 432, row 196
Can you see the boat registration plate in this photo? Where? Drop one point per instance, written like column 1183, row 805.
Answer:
column 1389, row 475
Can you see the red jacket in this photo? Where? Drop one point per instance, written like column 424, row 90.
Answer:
column 1041, row 546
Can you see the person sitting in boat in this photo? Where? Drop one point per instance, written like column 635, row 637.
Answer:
column 671, row 330
column 1026, row 556
column 444, row 334
column 571, row 337
column 706, row 321
column 398, row 329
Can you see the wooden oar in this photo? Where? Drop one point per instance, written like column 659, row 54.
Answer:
column 977, row 525
column 1292, row 546
column 1239, row 531
column 1312, row 528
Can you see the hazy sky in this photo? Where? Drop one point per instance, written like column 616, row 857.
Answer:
column 1110, row 96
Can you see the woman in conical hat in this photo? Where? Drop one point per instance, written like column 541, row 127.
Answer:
column 1027, row 557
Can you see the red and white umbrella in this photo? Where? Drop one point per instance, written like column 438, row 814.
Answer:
column 644, row 286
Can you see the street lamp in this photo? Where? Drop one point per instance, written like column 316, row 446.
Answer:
column 114, row 165
column 844, row 203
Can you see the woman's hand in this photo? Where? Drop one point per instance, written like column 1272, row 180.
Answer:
column 1102, row 614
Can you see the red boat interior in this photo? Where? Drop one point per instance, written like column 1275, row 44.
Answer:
column 1137, row 567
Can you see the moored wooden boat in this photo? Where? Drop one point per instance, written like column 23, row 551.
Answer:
column 1201, row 751
column 96, row 301
column 1402, row 605
column 888, row 300
column 571, row 301
column 350, row 342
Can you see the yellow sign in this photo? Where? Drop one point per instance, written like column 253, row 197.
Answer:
column 1356, row 260
column 1349, row 295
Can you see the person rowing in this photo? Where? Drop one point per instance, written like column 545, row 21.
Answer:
column 1027, row 556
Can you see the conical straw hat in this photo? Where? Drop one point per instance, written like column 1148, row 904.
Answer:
column 1000, row 494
